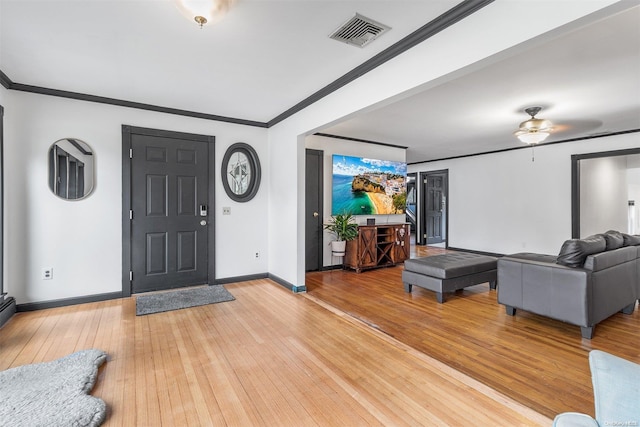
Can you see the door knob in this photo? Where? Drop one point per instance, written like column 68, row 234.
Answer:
column 203, row 222
column 315, row 214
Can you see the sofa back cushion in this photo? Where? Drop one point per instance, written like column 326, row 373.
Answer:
column 630, row 240
column 575, row 251
column 608, row 259
column 614, row 239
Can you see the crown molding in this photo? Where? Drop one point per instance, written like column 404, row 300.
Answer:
column 524, row 147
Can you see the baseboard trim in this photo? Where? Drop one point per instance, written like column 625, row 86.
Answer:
column 32, row 306
column 246, row 278
column 293, row 288
column 451, row 248
column 332, row 267
column 7, row 310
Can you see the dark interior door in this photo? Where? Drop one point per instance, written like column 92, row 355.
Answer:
column 169, row 188
column 435, row 206
column 313, row 210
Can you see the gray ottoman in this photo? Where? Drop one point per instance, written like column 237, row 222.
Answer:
column 449, row 272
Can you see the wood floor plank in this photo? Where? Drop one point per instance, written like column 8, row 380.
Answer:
column 540, row 362
column 270, row 357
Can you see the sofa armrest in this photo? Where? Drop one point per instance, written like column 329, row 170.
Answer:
column 545, row 288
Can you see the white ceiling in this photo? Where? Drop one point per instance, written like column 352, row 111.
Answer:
column 266, row 56
column 587, row 81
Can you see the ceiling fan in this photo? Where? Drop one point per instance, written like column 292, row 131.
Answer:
column 533, row 131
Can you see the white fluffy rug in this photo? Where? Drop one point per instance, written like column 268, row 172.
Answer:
column 53, row 393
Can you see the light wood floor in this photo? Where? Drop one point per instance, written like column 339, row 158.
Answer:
column 539, row 362
column 269, row 358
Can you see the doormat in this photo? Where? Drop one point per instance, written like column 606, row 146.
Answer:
column 53, row 393
column 184, row 298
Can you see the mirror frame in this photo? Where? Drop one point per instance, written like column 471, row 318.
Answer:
column 72, row 181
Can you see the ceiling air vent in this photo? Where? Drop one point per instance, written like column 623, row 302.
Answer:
column 359, row 31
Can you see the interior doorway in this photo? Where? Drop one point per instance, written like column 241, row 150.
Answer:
column 605, row 192
column 435, row 208
column 313, row 209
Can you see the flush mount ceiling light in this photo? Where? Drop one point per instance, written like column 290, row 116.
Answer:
column 204, row 11
column 533, row 131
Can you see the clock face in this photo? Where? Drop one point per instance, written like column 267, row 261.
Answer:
column 241, row 172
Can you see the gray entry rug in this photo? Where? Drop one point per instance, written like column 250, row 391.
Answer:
column 185, row 298
column 53, row 393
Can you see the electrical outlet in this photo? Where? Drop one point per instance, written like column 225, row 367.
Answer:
column 257, row 255
column 47, row 273
column 226, row 210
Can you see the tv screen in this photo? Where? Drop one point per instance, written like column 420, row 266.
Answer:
column 363, row 186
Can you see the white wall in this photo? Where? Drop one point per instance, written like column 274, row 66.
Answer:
column 90, row 262
column 603, row 195
column 429, row 63
column 331, row 146
column 505, row 203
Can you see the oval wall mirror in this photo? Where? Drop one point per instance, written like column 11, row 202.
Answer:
column 71, row 169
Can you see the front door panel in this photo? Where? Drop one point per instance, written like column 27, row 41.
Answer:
column 169, row 237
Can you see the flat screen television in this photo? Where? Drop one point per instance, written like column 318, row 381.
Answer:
column 363, row 186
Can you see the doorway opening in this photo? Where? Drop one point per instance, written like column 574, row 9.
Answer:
column 605, row 192
column 433, row 209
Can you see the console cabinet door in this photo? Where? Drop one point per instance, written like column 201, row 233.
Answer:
column 367, row 241
column 402, row 243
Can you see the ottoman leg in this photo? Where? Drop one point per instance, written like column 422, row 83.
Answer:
column 511, row 311
column 440, row 297
column 492, row 284
column 407, row 287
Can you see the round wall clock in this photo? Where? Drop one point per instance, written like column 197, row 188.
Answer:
column 241, row 172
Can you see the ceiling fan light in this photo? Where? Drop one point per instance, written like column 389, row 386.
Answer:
column 532, row 137
column 533, row 131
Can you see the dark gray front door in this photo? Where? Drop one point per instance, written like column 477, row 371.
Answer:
column 313, row 210
column 170, row 218
column 435, row 206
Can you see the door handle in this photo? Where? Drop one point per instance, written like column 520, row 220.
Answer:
column 203, row 222
column 315, row 215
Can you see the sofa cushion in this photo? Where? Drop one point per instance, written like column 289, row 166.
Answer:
column 614, row 239
column 574, row 251
column 608, row 259
column 630, row 240
column 450, row 265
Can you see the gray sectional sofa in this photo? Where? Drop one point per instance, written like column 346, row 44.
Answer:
column 590, row 280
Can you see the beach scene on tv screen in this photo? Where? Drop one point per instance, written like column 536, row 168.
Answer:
column 363, row 186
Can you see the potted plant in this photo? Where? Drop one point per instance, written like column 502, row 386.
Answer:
column 344, row 227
